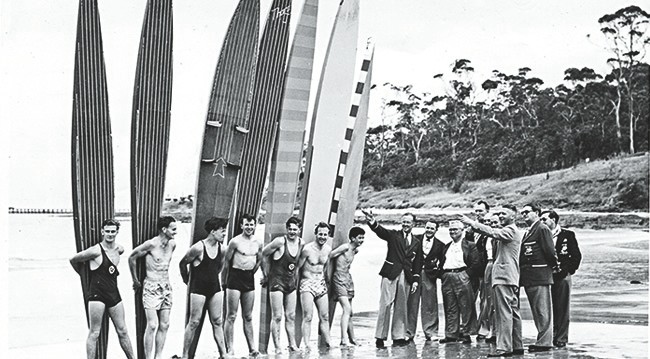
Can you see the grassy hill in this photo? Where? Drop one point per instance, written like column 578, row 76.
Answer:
column 616, row 185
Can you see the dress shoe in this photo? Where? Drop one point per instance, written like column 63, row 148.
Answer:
column 491, row 340
column 537, row 348
column 466, row 339
column 448, row 340
column 501, row 354
column 379, row 343
column 480, row 337
column 559, row 344
column 518, row 352
column 400, row 342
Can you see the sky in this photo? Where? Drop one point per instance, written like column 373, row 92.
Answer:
column 414, row 39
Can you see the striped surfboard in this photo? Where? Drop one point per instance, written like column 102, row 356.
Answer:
column 152, row 97
column 287, row 152
column 330, row 116
column 225, row 129
column 348, row 175
column 92, row 153
column 265, row 109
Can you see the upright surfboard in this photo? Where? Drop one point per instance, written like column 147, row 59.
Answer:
column 92, row 154
column 265, row 109
column 330, row 117
column 225, row 127
column 152, row 98
column 287, row 152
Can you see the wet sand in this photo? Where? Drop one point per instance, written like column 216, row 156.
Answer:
column 609, row 315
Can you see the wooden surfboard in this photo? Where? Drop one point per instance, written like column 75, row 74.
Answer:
column 225, row 127
column 92, row 153
column 287, row 152
column 265, row 109
column 330, row 116
column 152, row 97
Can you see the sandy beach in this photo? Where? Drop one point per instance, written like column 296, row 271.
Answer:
column 46, row 316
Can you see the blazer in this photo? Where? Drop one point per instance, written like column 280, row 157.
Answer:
column 537, row 257
column 568, row 253
column 431, row 262
column 470, row 257
column 505, row 270
column 399, row 256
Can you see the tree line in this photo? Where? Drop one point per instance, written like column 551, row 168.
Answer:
column 512, row 125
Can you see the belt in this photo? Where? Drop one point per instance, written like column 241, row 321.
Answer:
column 455, row 270
column 490, row 260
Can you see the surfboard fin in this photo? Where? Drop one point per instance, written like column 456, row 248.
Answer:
column 214, row 123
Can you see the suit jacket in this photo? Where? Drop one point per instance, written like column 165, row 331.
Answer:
column 568, row 253
column 537, row 256
column 470, row 257
column 399, row 256
column 431, row 262
column 505, row 270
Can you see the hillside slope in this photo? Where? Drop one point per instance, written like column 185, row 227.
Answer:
column 616, row 185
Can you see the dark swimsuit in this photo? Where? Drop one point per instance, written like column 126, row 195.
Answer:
column 282, row 274
column 103, row 283
column 204, row 278
column 241, row 280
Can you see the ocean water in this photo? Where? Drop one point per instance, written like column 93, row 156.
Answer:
column 46, row 306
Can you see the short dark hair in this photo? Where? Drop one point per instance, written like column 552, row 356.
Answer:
column 485, row 204
column 111, row 222
column 165, row 221
column 410, row 214
column 552, row 215
column 432, row 221
column 535, row 207
column 511, row 207
column 323, row 225
column 355, row 232
column 215, row 223
column 248, row 217
column 294, row 220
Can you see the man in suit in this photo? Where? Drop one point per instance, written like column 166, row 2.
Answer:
column 487, row 316
column 400, row 271
column 481, row 209
column 569, row 256
column 426, row 292
column 460, row 267
column 536, row 262
column 505, row 280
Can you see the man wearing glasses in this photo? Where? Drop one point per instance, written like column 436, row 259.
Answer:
column 536, row 262
column 460, row 266
column 569, row 257
column 505, row 280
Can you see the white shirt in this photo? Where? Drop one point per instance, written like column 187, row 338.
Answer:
column 454, row 257
column 488, row 248
column 555, row 233
column 407, row 237
column 427, row 243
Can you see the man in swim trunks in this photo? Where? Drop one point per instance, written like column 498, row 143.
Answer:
column 205, row 259
column 243, row 258
column 156, row 290
column 342, row 284
column 313, row 289
column 282, row 255
column 103, row 259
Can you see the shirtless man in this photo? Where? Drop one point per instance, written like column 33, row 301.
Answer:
column 156, row 290
column 243, row 258
column 313, row 288
column 342, row 285
column 282, row 255
column 103, row 259
column 206, row 260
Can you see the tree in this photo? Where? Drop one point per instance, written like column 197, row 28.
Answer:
column 626, row 31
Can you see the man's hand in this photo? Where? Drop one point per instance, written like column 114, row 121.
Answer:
column 137, row 285
column 369, row 217
column 466, row 220
column 414, row 287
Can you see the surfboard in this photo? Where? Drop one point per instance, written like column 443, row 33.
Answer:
column 225, row 126
column 152, row 97
column 92, row 153
column 287, row 151
column 330, row 116
column 265, row 109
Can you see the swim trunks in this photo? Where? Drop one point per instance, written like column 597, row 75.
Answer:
column 343, row 288
column 156, row 295
column 316, row 287
column 205, row 276
column 103, row 283
column 241, row 280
